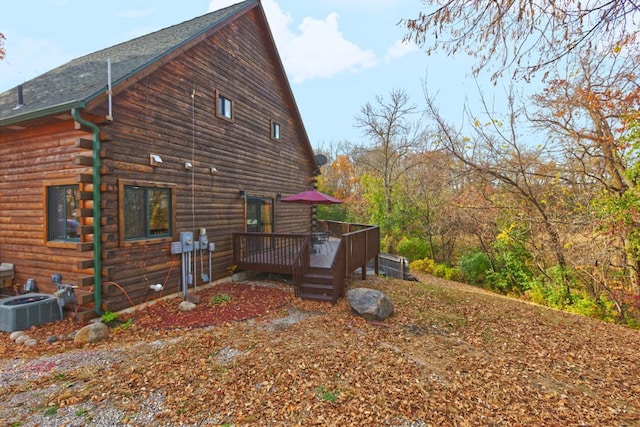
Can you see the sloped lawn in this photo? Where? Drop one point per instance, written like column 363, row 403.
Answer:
column 450, row 355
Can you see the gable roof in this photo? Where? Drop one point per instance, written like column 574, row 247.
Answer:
column 77, row 82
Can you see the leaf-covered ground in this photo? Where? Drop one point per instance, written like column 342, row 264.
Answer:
column 451, row 355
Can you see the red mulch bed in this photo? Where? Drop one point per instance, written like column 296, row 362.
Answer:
column 246, row 301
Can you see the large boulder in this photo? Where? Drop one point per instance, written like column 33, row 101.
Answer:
column 91, row 333
column 370, row 303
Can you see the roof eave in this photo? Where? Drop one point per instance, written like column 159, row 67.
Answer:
column 49, row 111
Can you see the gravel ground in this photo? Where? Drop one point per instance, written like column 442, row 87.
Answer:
column 31, row 406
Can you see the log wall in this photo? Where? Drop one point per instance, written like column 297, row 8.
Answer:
column 170, row 112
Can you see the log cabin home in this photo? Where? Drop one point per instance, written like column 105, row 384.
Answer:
column 108, row 162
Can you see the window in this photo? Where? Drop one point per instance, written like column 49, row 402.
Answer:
column 147, row 212
column 275, row 130
column 63, row 203
column 225, row 107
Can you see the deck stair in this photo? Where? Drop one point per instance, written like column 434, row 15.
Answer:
column 317, row 285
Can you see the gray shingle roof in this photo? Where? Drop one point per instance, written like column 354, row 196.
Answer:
column 82, row 79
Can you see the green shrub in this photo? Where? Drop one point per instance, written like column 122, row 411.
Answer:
column 474, row 267
column 220, row 299
column 454, row 274
column 413, row 249
column 425, row 265
column 109, row 316
column 429, row 266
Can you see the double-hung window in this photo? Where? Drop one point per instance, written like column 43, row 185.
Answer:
column 63, row 203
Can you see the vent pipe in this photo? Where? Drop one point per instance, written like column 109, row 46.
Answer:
column 109, row 91
column 20, row 98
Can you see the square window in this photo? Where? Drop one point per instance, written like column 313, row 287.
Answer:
column 63, row 203
column 275, row 130
column 147, row 212
column 224, row 108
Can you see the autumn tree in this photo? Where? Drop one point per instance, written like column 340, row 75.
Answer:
column 339, row 179
column 426, row 193
column 393, row 132
column 522, row 178
column 528, row 35
column 590, row 108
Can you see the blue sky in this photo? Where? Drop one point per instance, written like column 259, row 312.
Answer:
column 338, row 54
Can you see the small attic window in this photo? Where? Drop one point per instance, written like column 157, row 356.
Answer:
column 275, row 130
column 224, row 108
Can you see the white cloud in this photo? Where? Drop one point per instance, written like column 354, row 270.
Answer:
column 400, row 49
column 320, row 50
column 317, row 50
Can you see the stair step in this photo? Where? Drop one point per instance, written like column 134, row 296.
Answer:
column 316, row 297
column 316, row 288
column 319, row 278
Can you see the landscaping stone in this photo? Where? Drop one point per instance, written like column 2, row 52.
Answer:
column 193, row 298
column 186, row 306
column 15, row 335
column 92, row 333
column 22, row 338
column 370, row 303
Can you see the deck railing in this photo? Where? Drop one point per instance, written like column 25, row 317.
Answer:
column 360, row 247
column 339, row 271
column 272, row 252
column 290, row 253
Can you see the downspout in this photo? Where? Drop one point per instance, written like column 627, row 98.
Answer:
column 97, row 232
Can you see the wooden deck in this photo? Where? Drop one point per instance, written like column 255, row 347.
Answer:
column 324, row 256
column 319, row 272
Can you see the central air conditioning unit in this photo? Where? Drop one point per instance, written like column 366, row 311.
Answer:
column 23, row 311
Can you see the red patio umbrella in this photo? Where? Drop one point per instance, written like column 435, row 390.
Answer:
column 312, row 197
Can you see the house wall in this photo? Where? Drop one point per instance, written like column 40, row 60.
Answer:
column 44, row 154
column 172, row 113
column 169, row 112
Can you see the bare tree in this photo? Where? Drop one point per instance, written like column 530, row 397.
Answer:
column 393, row 133
column 527, row 34
column 3, row 51
column 521, row 173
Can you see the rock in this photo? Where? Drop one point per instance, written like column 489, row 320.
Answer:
column 22, row 338
column 92, row 333
column 52, row 339
column 186, row 306
column 370, row 303
column 193, row 298
column 15, row 335
column 30, row 342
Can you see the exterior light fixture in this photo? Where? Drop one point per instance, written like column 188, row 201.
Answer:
column 155, row 160
column 188, row 166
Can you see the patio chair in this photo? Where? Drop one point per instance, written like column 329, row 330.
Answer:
column 320, row 240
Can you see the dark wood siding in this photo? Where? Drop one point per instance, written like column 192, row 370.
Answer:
column 172, row 113
column 169, row 111
column 50, row 154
